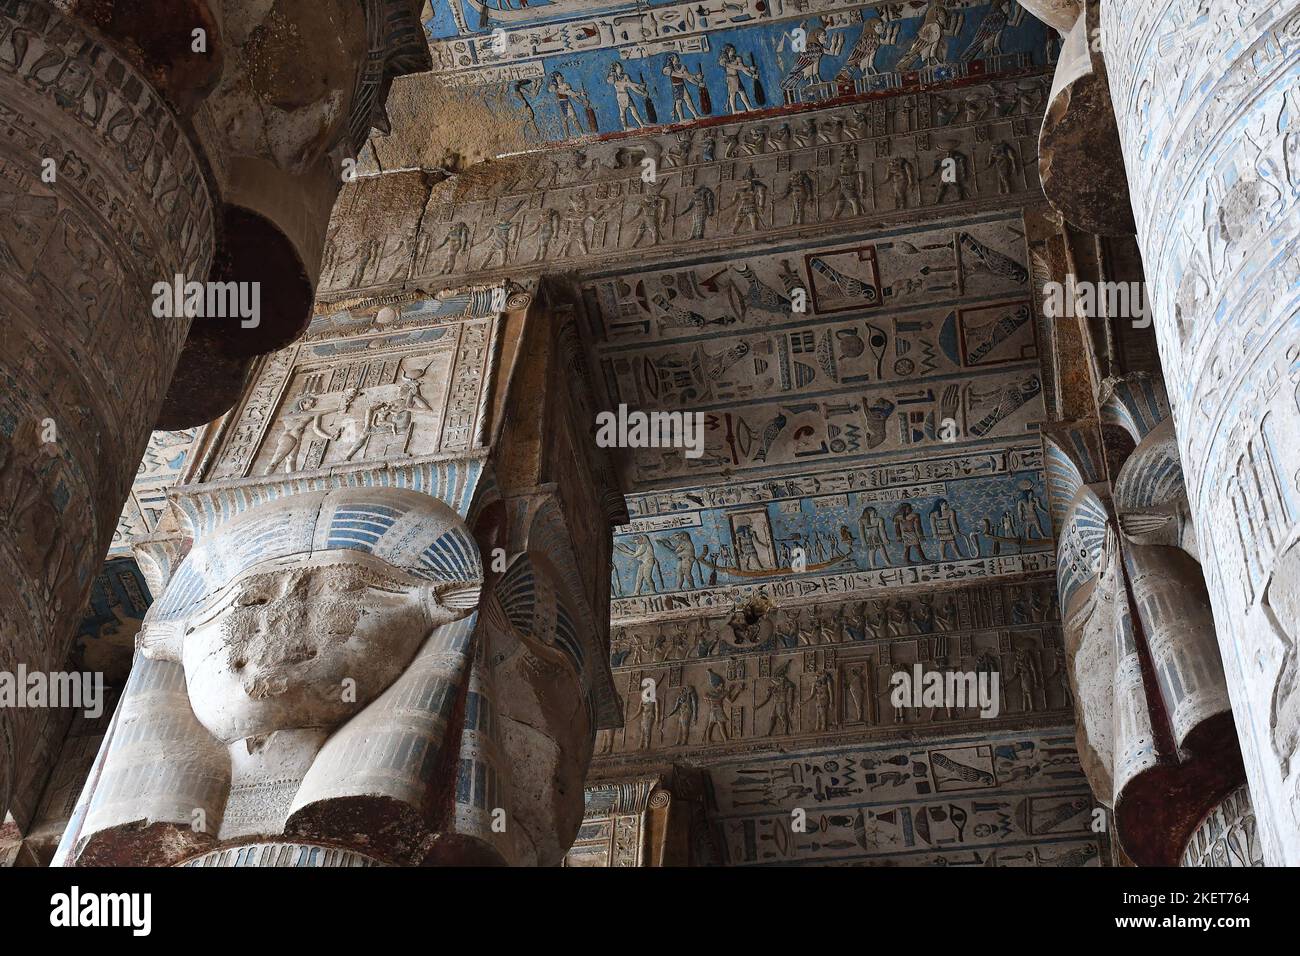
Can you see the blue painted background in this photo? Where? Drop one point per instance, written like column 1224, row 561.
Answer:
column 765, row 45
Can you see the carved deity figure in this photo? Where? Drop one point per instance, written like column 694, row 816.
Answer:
column 1025, row 669
column 1004, row 160
column 578, row 218
column 457, row 242
column 702, row 207
column 719, row 697
column 647, row 716
column 780, row 694
column 678, row 78
column 848, row 184
column 647, row 565
column 943, row 520
column 907, row 527
column 565, row 99
column 874, row 537
column 295, row 427
column 902, row 180
column 748, row 541
column 750, row 199
column 686, row 708
column 802, row 191
column 624, row 86
column 683, row 548
column 951, row 167
column 733, row 65
column 822, row 697
column 650, row 213
column 292, row 625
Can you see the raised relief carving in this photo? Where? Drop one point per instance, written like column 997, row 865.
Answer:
column 389, row 396
column 83, row 368
column 290, row 622
column 1206, row 145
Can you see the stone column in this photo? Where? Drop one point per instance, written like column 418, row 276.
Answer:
column 1228, row 836
column 127, row 158
column 651, row 820
column 1207, row 97
column 382, row 637
column 101, row 194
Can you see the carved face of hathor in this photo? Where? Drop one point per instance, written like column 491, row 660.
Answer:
column 307, row 639
column 304, row 644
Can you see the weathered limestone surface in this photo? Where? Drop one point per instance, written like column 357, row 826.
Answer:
column 84, row 365
column 386, row 636
column 1228, row 836
column 1079, row 158
column 1208, row 101
column 385, row 582
column 1061, row 14
column 896, row 208
column 135, row 150
column 1154, row 724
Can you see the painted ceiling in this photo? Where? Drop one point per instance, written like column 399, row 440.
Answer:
column 581, row 69
column 871, row 492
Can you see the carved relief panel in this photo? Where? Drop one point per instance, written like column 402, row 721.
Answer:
column 384, row 397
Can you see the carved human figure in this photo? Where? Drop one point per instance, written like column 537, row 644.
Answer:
column 749, row 201
column 546, row 231
column 822, row 697
column 367, row 254
column 900, row 711
column 848, row 183
column 801, row 191
column 947, row 531
column 733, row 65
column 303, row 417
column 578, row 217
column 679, row 153
column 624, row 86
column 686, row 708
column 951, row 167
column 565, row 98
column 829, row 623
column 647, row 565
column 456, row 242
column 1004, row 160
column 786, row 627
column 1061, row 673
column 369, row 423
column 646, row 717
column 500, row 236
column 748, row 541
column 780, row 694
column 856, row 687
column 902, row 180
column 683, row 548
column 907, row 527
column 1028, row 508
column 678, row 78
column 719, row 697
column 650, row 213
column 702, row 207
column 1025, row 670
